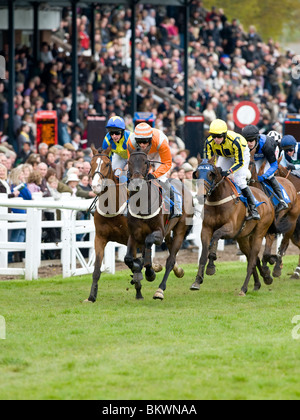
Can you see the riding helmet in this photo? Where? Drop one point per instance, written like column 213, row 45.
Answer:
column 143, row 132
column 250, row 132
column 115, row 123
column 288, row 141
column 218, row 127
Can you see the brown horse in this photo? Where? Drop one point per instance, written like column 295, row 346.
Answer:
column 284, row 222
column 287, row 174
column 148, row 225
column 110, row 221
column 224, row 218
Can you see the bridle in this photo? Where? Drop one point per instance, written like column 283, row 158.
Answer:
column 203, row 170
column 98, row 172
column 135, row 153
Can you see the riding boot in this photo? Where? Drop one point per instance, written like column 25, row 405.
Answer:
column 253, row 213
column 175, row 210
column 276, row 187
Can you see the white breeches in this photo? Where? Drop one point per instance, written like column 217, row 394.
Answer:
column 240, row 176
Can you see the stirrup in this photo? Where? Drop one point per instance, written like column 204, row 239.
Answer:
column 281, row 206
column 253, row 215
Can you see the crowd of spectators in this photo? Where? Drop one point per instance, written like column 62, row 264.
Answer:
column 227, row 64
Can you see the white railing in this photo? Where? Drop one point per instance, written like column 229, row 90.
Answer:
column 71, row 255
column 72, row 260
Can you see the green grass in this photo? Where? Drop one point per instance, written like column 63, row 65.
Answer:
column 210, row 344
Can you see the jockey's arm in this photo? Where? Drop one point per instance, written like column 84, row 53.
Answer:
column 106, row 143
column 166, row 159
column 238, row 156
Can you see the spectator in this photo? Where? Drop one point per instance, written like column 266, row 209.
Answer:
column 4, row 186
column 63, row 130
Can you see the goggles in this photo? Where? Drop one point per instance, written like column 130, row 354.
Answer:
column 218, row 136
column 143, row 141
column 289, row 149
column 115, row 132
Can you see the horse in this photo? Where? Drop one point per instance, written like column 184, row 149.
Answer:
column 284, row 222
column 109, row 219
column 151, row 226
column 284, row 172
column 224, row 218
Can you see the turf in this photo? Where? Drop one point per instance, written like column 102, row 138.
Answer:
column 210, row 344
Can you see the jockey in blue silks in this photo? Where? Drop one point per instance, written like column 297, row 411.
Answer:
column 265, row 152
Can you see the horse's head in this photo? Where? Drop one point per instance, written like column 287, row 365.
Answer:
column 138, row 163
column 101, row 169
column 209, row 174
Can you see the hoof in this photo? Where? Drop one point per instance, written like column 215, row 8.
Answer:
column 195, row 286
column 295, row 276
column 268, row 280
column 157, row 268
column 88, row 301
column 276, row 272
column 159, row 294
column 178, row 271
column 210, row 270
column 242, row 294
column 151, row 277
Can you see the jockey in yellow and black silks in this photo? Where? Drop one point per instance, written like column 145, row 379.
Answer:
column 233, row 157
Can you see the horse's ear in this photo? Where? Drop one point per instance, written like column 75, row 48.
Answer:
column 199, row 159
column 130, row 149
column 94, row 150
column 252, row 153
column 279, row 159
column 148, row 148
column 212, row 161
column 108, row 150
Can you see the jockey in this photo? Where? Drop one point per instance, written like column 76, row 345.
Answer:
column 233, row 157
column 117, row 137
column 156, row 144
column 265, row 152
column 290, row 154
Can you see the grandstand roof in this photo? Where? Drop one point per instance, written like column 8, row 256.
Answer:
column 87, row 3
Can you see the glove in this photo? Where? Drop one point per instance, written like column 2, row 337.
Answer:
column 260, row 178
column 225, row 173
column 291, row 167
column 151, row 176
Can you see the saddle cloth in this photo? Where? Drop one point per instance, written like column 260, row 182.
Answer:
column 274, row 198
column 244, row 199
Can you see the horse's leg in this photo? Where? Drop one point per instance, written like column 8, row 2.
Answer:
column 155, row 238
column 267, row 257
column 135, row 265
column 100, row 244
column 171, row 260
column 178, row 271
column 206, row 235
column 255, row 246
column 296, row 241
column 266, row 274
column 212, row 256
column 245, row 247
column 281, row 252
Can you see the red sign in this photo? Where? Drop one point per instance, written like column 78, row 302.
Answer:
column 46, row 128
column 194, row 118
column 246, row 113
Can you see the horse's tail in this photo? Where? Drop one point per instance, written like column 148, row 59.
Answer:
column 188, row 231
column 296, row 234
column 282, row 225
